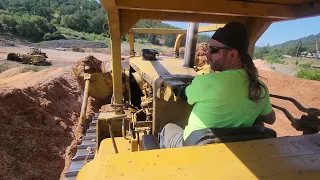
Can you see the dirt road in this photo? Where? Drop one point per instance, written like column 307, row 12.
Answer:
column 58, row 58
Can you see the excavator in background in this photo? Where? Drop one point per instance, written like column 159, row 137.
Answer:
column 123, row 143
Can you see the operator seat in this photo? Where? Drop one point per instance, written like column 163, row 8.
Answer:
column 216, row 135
column 223, row 135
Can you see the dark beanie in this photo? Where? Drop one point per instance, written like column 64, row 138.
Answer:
column 234, row 35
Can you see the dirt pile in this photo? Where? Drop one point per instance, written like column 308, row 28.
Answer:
column 201, row 50
column 38, row 113
column 13, row 71
column 307, row 92
column 101, row 79
column 262, row 65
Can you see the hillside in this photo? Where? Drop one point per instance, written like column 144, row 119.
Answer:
column 67, row 19
column 291, row 48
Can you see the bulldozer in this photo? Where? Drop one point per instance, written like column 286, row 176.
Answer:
column 77, row 49
column 34, row 57
column 123, row 143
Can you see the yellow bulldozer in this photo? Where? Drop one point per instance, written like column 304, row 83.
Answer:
column 77, row 49
column 123, row 144
column 34, row 57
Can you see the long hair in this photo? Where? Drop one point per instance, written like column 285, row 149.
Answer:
column 255, row 86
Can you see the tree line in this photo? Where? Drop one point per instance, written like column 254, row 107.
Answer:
column 292, row 48
column 37, row 20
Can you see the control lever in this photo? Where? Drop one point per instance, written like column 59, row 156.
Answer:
column 309, row 124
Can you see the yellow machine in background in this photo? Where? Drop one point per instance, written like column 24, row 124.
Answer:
column 34, row 57
column 123, row 144
column 180, row 34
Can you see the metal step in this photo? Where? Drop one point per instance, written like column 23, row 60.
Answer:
column 92, row 129
column 83, row 152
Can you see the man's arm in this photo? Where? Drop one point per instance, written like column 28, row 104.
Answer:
column 269, row 118
column 267, row 115
column 181, row 92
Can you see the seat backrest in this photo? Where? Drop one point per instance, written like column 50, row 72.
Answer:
column 222, row 135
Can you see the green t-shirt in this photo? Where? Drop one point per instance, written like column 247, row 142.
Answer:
column 221, row 100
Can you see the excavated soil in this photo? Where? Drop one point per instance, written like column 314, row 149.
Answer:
column 100, row 88
column 262, row 65
column 38, row 114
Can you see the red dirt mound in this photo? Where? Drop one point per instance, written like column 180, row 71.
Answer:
column 38, row 113
column 201, row 50
column 101, row 86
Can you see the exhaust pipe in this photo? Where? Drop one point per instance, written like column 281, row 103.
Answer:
column 191, row 43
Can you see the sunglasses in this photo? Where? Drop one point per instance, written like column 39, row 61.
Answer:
column 215, row 49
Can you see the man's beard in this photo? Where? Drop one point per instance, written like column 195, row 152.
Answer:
column 215, row 66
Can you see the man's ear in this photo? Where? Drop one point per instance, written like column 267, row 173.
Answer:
column 234, row 53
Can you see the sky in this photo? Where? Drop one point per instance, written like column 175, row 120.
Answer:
column 278, row 32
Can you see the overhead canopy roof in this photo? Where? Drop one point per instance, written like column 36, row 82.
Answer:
column 275, row 9
column 213, row 11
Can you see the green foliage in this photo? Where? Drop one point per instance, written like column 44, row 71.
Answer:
column 30, row 26
column 308, row 73
column 54, row 36
column 85, row 21
column 80, row 15
column 307, row 65
column 159, row 50
column 203, row 38
column 292, row 48
column 153, row 39
column 71, row 34
column 268, row 54
column 169, row 40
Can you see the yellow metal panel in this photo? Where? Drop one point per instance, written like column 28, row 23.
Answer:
column 114, row 25
column 163, row 66
column 218, row 7
column 256, row 27
column 127, row 20
column 308, row 9
column 177, row 44
column 212, row 27
column 278, row 158
column 134, row 144
column 189, row 17
column 158, row 31
column 131, row 41
column 107, row 148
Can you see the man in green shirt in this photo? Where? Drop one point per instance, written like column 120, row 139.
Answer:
column 234, row 97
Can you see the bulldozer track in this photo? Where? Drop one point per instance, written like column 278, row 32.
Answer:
column 85, row 151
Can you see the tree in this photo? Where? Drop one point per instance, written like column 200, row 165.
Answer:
column 203, row 38
column 153, row 39
column 67, row 10
column 34, row 27
column 8, row 23
column 54, row 36
column 169, row 40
